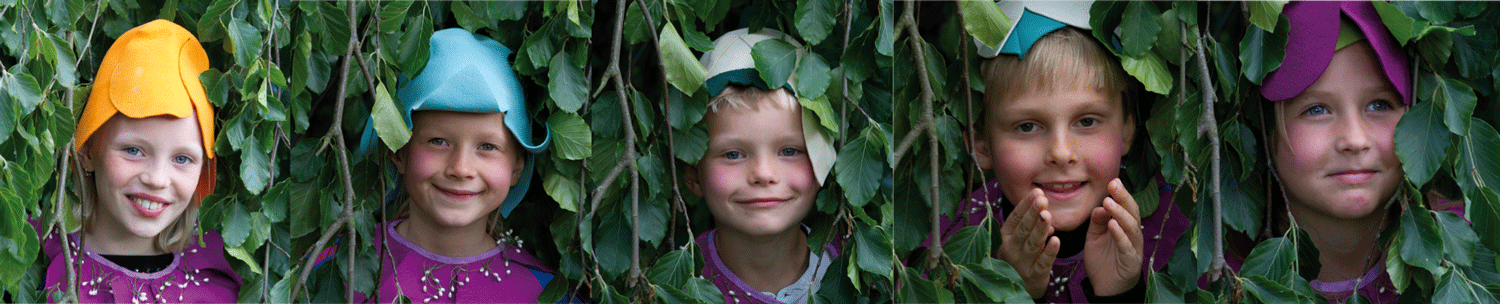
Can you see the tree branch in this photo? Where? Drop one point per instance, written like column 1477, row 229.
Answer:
column 337, row 133
column 908, row 23
column 1208, row 125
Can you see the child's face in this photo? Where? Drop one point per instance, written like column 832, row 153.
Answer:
column 1066, row 141
column 756, row 174
column 145, row 172
column 1336, row 154
column 458, row 167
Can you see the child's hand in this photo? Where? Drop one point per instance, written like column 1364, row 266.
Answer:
column 1026, row 242
column 1112, row 253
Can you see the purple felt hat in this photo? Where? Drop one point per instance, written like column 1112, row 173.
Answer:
column 1311, row 43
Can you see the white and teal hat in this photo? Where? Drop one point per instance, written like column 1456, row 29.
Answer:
column 472, row 73
column 1033, row 19
column 730, row 62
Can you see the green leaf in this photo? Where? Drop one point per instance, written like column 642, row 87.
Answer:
column 1436, row 48
column 24, row 90
column 255, row 167
column 1150, row 70
column 570, row 136
column 566, row 84
column 860, row 166
column 680, row 66
column 1161, row 289
column 467, row 18
column 236, row 226
column 969, row 245
column 210, row 25
column 1453, row 288
column 996, row 280
column 1262, row 52
column 1421, row 244
column 1437, row 12
column 703, row 290
column 1484, row 212
column 670, row 295
column 1265, row 13
column 1273, row 259
column 984, row 20
column 824, row 110
column 1421, row 142
column 1478, row 164
column 562, row 189
column 673, row 269
column 392, row 14
column 873, row 250
column 812, row 76
column 775, row 59
column 1458, row 238
column 246, row 39
column 919, row 290
column 690, row 144
column 1140, row 24
column 389, row 123
column 244, row 256
column 685, row 110
column 1459, row 100
column 415, row 47
column 815, row 19
column 1267, row 291
column 1401, row 26
column 612, row 243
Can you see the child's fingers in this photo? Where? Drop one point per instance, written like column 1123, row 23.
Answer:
column 1122, row 240
column 1040, row 228
column 1049, row 253
column 1121, row 213
column 1014, row 222
column 1121, row 195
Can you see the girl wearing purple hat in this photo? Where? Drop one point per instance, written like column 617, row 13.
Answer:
column 1336, row 101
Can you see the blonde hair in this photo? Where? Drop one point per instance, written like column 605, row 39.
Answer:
column 746, row 97
column 1066, row 58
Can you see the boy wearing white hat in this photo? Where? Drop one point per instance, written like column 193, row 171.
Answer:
column 766, row 159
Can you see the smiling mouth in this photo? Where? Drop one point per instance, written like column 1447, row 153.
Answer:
column 457, row 194
column 147, row 207
column 1353, row 177
column 1061, row 190
column 763, row 202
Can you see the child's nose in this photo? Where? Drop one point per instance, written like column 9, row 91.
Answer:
column 1063, row 150
column 156, row 177
column 1354, row 135
column 763, row 171
column 460, row 165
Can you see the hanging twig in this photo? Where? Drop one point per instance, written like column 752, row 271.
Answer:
column 629, row 157
column 340, row 149
column 1208, row 125
column 909, row 24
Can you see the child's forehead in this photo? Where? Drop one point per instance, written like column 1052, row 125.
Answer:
column 1054, row 98
column 160, row 130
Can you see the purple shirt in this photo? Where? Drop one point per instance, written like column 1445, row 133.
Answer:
column 1160, row 231
column 198, row 274
column 505, row 274
column 736, row 291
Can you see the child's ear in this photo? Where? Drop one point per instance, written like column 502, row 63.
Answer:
column 980, row 149
column 515, row 171
column 1129, row 135
column 692, row 181
column 86, row 158
column 399, row 158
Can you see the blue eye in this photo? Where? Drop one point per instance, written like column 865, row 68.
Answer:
column 1088, row 122
column 1027, row 127
column 789, row 152
column 134, row 151
column 733, row 155
column 1379, row 105
column 489, row 147
column 1316, row 110
column 182, row 159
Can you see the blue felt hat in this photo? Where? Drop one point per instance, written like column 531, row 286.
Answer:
column 472, row 73
column 1033, row 19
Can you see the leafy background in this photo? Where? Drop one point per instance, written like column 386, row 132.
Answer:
column 1207, row 58
column 295, row 83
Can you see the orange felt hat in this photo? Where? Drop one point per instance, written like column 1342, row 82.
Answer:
column 152, row 70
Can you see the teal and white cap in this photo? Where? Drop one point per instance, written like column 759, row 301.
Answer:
column 472, row 73
column 730, row 62
column 1033, row 19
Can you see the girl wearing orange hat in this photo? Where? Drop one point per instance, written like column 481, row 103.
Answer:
column 145, row 144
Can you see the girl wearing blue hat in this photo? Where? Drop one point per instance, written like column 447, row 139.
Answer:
column 467, row 165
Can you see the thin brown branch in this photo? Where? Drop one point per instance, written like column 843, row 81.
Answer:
column 1208, row 125
column 908, row 23
column 909, row 139
column 337, row 134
